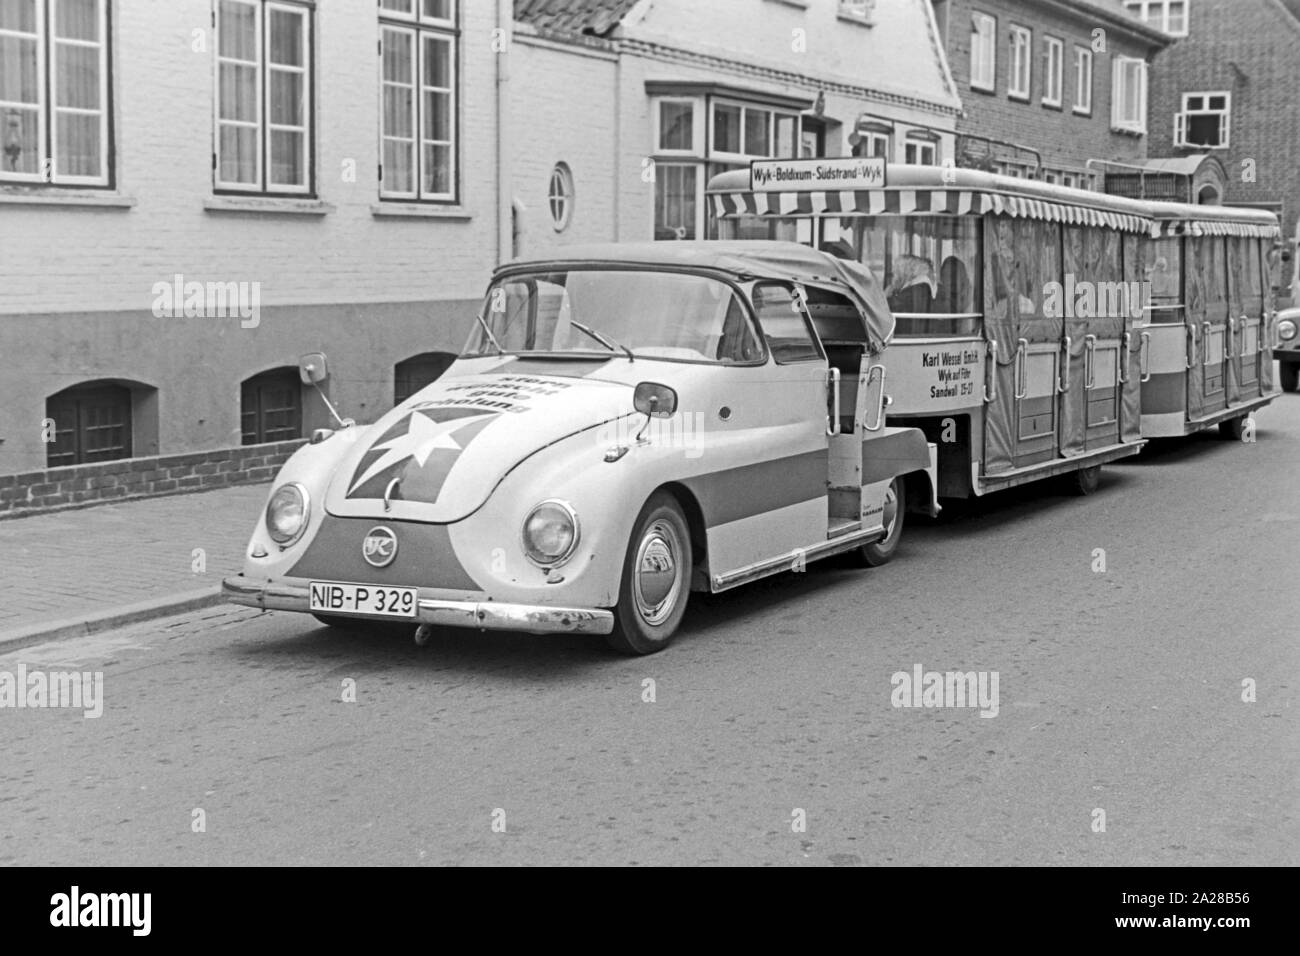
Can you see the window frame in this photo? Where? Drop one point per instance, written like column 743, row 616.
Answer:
column 79, row 397
column 1119, row 93
column 1082, row 55
column 259, row 381
column 47, row 108
column 1022, row 38
column 987, row 45
column 1181, row 121
column 1051, row 44
column 1143, row 9
column 919, row 143
column 697, row 125
column 715, row 155
column 420, row 28
column 797, row 298
column 562, row 173
column 306, row 9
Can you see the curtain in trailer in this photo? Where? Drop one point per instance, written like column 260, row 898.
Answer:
column 1022, row 256
column 1261, row 257
column 1195, row 267
column 1135, row 250
column 1236, row 309
column 1003, row 304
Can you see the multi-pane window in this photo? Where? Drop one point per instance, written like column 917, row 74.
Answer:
column 54, row 92
column 418, row 127
column 983, row 51
column 697, row 137
column 1167, row 15
column 264, row 97
column 920, row 152
column 753, row 132
column 270, row 407
column 1082, row 80
column 1129, row 95
column 1053, row 71
column 1203, row 121
column 1018, row 79
column 91, row 423
column 873, row 143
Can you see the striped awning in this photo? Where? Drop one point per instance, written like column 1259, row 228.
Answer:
column 1210, row 227
column 907, row 202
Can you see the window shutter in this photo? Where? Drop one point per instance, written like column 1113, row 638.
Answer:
column 1180, row 129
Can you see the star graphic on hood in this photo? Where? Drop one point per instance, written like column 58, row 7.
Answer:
column 422, row 438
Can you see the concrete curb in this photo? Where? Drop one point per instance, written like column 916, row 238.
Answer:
column 85, row 624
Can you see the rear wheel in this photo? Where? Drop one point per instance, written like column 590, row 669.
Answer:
column 874, row 555
column 1233, row 428
column 1085, row 480
column 655, row 587
column 1290, row 374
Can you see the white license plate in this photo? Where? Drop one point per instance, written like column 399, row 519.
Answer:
column 334, row 598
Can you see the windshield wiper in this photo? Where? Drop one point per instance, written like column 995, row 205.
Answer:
column 602, row 339
column 488, row 332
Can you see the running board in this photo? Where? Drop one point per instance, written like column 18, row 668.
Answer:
column 1057, row 466
column 1235, row 411
column 795, row 559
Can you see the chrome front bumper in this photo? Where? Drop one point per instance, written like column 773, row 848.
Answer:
column 483, row 615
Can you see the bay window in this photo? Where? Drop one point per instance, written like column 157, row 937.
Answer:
column 696, row 137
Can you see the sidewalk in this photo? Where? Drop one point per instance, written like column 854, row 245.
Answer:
column 75, row 572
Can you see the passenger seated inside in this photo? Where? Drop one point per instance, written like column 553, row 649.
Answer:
column 912, row 288
column 954, row 287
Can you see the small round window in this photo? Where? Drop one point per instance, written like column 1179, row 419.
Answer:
column 560, row 196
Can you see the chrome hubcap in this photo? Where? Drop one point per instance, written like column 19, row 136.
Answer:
column 656, row 582
column 890, row 517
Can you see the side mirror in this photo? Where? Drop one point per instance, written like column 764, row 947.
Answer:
column 312, row 368
column 655, row 400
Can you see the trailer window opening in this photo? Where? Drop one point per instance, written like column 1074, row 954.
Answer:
column 1164, row 270
column 929, row 266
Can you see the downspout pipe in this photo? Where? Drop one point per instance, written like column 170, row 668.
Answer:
column 504, row 200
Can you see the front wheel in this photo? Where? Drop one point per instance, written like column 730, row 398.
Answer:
column 1290, row 375
column 656, row 579
column 874, row 555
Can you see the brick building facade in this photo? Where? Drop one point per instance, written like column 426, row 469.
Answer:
column 1047, row 85
column 1228, row 89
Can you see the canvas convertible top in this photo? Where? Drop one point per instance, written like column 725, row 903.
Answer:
column 756, row 259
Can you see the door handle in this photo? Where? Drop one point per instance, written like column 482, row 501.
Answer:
column 1063, row 379
column 880, row 406
column 833, row 383
column 1022, row 387
column 991, row 373
column 1144, row 357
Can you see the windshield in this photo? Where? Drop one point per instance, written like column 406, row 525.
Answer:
column 609, row 312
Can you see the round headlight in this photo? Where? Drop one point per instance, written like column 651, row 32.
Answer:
column 286, row 513
column 550, row 534
column 1286, row 330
